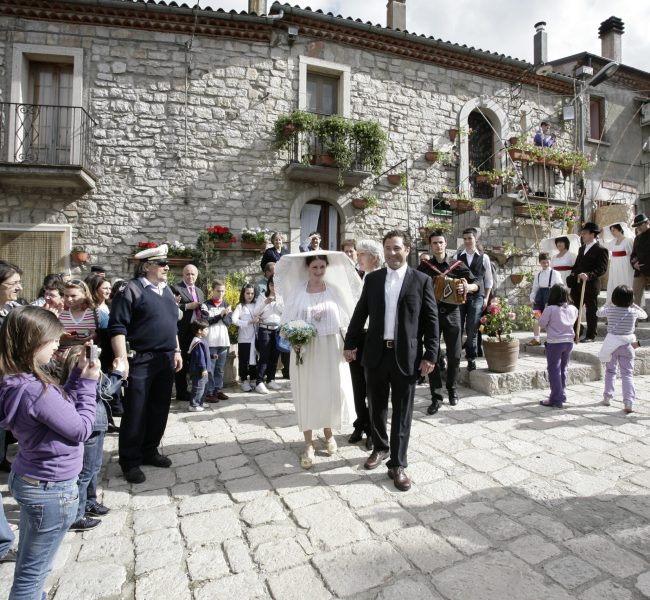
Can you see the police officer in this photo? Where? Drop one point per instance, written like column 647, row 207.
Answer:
column 448, row 316
column 144, row 314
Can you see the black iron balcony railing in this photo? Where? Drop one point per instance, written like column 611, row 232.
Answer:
column 311, row 150
column 45, row 135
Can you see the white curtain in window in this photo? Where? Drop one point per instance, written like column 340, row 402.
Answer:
column 308, row 220
column 333, row 229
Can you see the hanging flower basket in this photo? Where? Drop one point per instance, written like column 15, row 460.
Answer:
column 516, row 278
column 79, row 257
column 453, row 133
column 394, row 178
column 432, row 156
column 360, row 203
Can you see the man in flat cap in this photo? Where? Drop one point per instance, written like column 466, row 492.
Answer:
column 590, row 265
column 144, row 314
column 640, row 257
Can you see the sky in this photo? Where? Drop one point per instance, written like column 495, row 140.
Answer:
column 507, row 27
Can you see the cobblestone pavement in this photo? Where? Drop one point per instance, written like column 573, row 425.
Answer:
column 510, row 501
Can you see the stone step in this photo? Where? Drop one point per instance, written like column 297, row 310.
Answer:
column 531, row 372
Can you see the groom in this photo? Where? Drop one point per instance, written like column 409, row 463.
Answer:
column 399, row 304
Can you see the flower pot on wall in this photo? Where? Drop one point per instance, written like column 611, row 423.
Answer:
column 453, row 133
column 253, row 245
column 432, row 156
column 501, row 357
column 393, row 178
column 516, row 278
column 326, row 160
column 360, row 203
column 221, row 244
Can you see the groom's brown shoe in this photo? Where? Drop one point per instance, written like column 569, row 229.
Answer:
column 375, row 459
column 400, row 478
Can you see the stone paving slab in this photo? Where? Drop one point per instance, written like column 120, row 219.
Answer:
column 510, row 501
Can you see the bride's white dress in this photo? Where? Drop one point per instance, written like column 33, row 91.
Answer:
column 321, row 386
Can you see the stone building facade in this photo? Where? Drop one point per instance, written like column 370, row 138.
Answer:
column 178, row 113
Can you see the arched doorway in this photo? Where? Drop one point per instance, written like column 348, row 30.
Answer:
column 321, row 216
column 481, row 151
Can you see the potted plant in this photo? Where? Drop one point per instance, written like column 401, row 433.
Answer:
column 567, row 214
column 537, row 212
column 176, row 249
column 516, row 278
column 335, row 135
column 79, row 255
column 397, row 179
column 496, row 177
column 363, row 202
column 253, row 239
column 371, row 144
column 221, row 237
column 500, row 349
column 461, row 203
column 443, row 224
column 287, row 127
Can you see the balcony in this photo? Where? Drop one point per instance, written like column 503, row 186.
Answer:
column 308, row 161
column 45, row 146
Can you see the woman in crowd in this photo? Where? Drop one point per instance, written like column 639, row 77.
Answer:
column 48, row 281
column 268, row 309
column 275, row 252
column 620, row 269
column 51, row 425
column 80, row 319
column 100, row 290
column 370, row 256
column 10, row 288
column 324, row 288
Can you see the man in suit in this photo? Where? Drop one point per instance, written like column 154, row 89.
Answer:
column 591, row 264
column 448, row 315
column 399, row 305
column 191, row 299
column 470, row 312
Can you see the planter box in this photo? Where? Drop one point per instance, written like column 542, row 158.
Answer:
column 222, row 244
column 252, row 245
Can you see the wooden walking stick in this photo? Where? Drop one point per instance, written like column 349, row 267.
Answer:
column 582, row 300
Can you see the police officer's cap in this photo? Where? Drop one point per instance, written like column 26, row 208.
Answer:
column 153, row 254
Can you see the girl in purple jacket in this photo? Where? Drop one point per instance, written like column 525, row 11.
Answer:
column 51, row 425
column 558, row 319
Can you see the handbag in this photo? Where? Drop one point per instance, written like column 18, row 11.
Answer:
column 282, row 344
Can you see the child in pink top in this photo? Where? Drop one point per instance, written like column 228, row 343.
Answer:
column 558, row 319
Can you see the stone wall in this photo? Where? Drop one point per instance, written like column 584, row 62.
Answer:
column 172, row 163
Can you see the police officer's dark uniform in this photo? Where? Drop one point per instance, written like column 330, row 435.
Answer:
column 449, row 327
column 147, row 315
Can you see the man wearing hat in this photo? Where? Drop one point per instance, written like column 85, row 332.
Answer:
column 640, row 257
column 144, row 314
column 590, row 265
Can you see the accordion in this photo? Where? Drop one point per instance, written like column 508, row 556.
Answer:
column 445, row 289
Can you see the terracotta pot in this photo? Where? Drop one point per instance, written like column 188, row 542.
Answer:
column 501, row 357
column 360, row 203
column 431, row 156
column 394, row 179
column 326, row 160
column 460, row 206
column 221, row 244
column 79, row 257
column 252, row 245
column 453, row 132
column 516, row 278
column 513, row 140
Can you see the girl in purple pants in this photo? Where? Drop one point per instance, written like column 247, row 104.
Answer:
column 558, row 319
column 617, row 350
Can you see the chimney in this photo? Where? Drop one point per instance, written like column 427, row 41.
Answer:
column 257, row 6
column 540, row 45
column 610, row 33
column 396, row 18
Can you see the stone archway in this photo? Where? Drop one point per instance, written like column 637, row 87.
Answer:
column 326, row 194
column 499, row 121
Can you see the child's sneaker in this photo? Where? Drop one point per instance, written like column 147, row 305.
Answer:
column 260, row 388
column 627, row 407
column 606, row 402
column 245, row 386
column 196, row 408
column 273, row 385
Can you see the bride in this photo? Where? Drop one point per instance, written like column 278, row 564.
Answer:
column 320, row 287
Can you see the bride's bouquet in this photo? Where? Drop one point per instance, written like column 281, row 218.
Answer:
column 298, row 334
